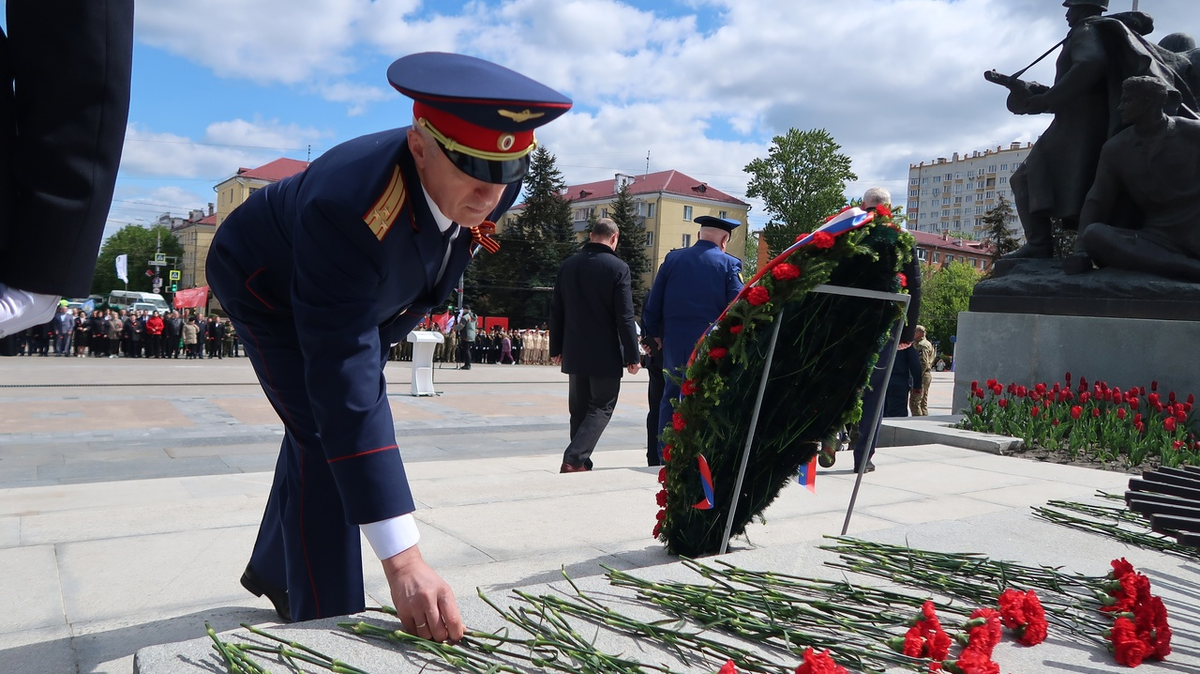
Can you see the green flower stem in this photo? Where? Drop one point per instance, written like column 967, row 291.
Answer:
column 307, row 654
column 1140, row 534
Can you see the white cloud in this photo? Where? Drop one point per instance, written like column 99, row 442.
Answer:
column 703, row 85
column 226, row 146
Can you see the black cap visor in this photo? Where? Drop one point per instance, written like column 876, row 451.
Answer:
column 495, row 172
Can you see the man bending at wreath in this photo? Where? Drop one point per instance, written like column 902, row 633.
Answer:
column 1156, row 162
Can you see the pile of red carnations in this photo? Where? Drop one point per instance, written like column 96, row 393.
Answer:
column 1095, row 421
column 1140, row 631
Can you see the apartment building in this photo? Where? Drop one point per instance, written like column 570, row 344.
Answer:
column 952, row 195
column 666, row 203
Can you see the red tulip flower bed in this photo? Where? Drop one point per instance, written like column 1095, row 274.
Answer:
column 1134, row 427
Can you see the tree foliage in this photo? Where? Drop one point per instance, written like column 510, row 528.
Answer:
column 996, row 230
column 945, row 292
column 631, row 246
column 140, row 244
column 801, row 182
column 516, row 281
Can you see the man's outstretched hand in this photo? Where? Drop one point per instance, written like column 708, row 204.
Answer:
column 424, row 602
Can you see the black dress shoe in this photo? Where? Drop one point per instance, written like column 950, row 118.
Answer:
column 258, row 588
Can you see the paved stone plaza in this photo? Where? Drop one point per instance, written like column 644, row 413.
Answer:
column 130, row 493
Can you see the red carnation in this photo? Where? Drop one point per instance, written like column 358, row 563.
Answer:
column 785, row 272
column 661, row 498
column 1022, row 612
column 727, row 668
column 657, row 529
column 662, row 475
column 758, row 296
column 688, row 387
column 983, row 630
column 972, row 661
column 667, row 453
column 1128, row 649
column 819, row 663
column 736, row 329
column 903, row 280
column 717, row 353
column 883, row 211
column 822, row 240
column 678, row 422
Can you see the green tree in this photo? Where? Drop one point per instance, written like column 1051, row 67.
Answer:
column 631, row 246
column 140, row 244
column 996, row 230
column 516, row 281
column 801, row 182
column 945, row 292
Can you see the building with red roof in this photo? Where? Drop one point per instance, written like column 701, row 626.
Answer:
column 234, row 190
column 666, row 203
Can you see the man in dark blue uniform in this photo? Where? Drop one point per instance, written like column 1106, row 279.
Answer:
column 320, row 274
column 692, row 288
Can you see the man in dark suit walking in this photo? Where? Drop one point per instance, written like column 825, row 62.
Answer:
column 592, row 335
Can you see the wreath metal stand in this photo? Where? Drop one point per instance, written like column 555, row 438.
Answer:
column 876, row 413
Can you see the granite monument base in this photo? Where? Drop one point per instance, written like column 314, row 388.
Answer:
column 1032, row 348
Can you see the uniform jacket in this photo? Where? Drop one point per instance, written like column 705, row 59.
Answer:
column 344, row 257
column 692, row 288
column 591, row 314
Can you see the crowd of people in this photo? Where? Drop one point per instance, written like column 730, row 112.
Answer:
column 498, row 346
column 117, row 333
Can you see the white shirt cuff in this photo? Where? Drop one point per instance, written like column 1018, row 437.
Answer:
column 390, row 537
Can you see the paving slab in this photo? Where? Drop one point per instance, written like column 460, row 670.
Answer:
column 29, row 584
column 1011, row 534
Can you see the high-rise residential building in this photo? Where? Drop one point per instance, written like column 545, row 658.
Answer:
column 952, row 195
column 666, row 203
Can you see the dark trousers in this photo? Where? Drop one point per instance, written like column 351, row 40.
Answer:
column 304, row 542
column 654, row 425
column 868, row 426
column 591, row 401
column 61, row 135
column 464, row 353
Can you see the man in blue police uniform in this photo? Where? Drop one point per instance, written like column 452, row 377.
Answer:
column 320, row 274
column 692, row 288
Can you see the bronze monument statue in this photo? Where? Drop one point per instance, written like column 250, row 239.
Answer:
column 1098, row 53
column 1155, row 163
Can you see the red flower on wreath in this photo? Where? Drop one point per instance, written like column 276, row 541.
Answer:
column 736, row 329
column 758, row 296
column 717, row 353
column 883, row 211
column 662, row 475
column 785, row 272
column 688, row 387
column 728, row 668
column 822, row 240
column 903, row 280
column 678, row 422
column 666, row 453
column 819, row 663
column 661, row 498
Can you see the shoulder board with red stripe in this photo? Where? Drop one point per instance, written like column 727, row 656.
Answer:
column 382, row 214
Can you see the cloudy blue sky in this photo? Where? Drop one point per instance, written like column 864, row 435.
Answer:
column 701, row 85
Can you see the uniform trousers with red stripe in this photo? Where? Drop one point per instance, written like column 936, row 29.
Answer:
column 304, row 542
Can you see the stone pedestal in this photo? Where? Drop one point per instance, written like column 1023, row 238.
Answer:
column 1032, row 348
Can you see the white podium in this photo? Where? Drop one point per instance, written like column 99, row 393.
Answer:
column 424, row 344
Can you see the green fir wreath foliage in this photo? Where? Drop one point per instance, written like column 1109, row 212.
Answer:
column 826, row 347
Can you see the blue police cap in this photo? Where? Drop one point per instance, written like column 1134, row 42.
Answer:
column 483, row 115
column 719, row 223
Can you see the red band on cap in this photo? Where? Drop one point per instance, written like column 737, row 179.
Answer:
column 487, row 142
